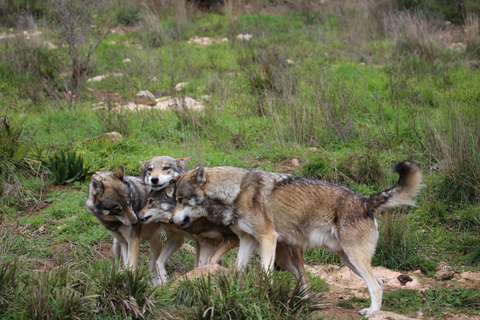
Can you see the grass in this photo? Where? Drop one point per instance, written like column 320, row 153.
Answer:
column 334, row 86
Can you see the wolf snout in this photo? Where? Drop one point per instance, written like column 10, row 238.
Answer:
column 134, row 223
column 171, row 221
column 154, row 180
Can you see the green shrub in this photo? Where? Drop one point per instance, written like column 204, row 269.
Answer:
column 67, row 167
column 12, row 147
column 397, row 246
column 245, row 295
column 128, row 14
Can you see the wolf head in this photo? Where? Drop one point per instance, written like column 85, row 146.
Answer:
column 158, row 171
column 109, row 198
column 159, row 206
column 189, row 197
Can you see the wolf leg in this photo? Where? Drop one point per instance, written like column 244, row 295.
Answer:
column 205, row 249
column 360, row 263
column 155, row 243
column 268, row 243
column 133, row 247
column 245, row 249
column 290, row 258
column 174, row 242
column 228, row 243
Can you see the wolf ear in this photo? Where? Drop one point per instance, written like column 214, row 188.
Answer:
column 169, row 191
column 142, row 163
column 120, row 173
column 200, row 177
column 181, row 162
column 97, row 186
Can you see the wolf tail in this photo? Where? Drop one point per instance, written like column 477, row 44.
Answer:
column 408, row 186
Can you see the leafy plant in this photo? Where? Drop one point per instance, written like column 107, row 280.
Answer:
column 67, row 167
column 12, row 150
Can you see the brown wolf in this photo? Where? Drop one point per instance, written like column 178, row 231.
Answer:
column 113, row 199
column 213, row 241
column 267, row 208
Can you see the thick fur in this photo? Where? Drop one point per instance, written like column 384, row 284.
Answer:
column 213, row 241
column 158, row 171
column 113, row 199
column 267, row 208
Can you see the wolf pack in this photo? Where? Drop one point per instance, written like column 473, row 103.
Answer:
column 224, row 207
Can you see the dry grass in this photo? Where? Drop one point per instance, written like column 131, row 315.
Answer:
column 472, row 32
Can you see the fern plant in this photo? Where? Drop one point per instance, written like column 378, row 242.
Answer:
column 67, row 167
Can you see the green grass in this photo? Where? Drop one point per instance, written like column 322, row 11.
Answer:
column 363, row 98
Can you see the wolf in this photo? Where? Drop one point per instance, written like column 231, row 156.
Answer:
column 114, row 199
column 268, row 207
column 158, row 171
column 213, row 241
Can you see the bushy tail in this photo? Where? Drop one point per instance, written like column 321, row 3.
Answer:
column 408, row 186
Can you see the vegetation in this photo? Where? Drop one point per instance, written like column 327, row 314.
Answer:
column 345, row 89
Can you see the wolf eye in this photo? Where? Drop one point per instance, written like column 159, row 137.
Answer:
column 150, row 201
column 149, row 169
column 166, row 168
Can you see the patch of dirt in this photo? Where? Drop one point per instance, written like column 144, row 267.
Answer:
column 104, row 249
column 285, row 166
column 344, row 285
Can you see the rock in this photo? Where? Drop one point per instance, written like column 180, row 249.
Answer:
column 50, row 45
column 457, row 46
column 472, row 276
column 145, row 97
column 104, row 76
column 110, row 137
column 313, row 149
column 404, row 279
column 181, row 86
column 153, row 79
column 209, row 269
column 385, row 315
column 127, row 60
column 289, row 61
column 444, row 272
column 165, row 103
column 343, row 277
column 188, row 247
column 474, row 64
column 294, row 162
column 244, row 37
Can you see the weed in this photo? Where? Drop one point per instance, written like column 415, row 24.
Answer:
column 245, row 296
column 397, row 246
column 123, row 292
column 457, row 297
column 67, row 167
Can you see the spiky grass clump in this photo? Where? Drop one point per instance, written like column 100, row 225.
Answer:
column 245, row 295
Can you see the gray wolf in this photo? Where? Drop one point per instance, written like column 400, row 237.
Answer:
column 114, row 199
column 268, row 207
column 213, row 241
column 158, row 171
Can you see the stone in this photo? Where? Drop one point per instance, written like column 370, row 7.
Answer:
column 209, row 269
column 127, row 60
column 386, row 315
column 145, row 97
column 244, row 37
column 153, row 79
column 445, row 272
column 181, row 86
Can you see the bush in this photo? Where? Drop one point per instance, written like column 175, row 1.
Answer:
column 247, row 295
column 67, row 167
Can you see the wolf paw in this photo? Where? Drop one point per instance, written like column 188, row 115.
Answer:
column 365, row 312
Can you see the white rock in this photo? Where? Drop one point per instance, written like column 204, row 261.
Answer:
column 127, row 60
column 244, row 37
column 145, row 97
column 181, row 85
